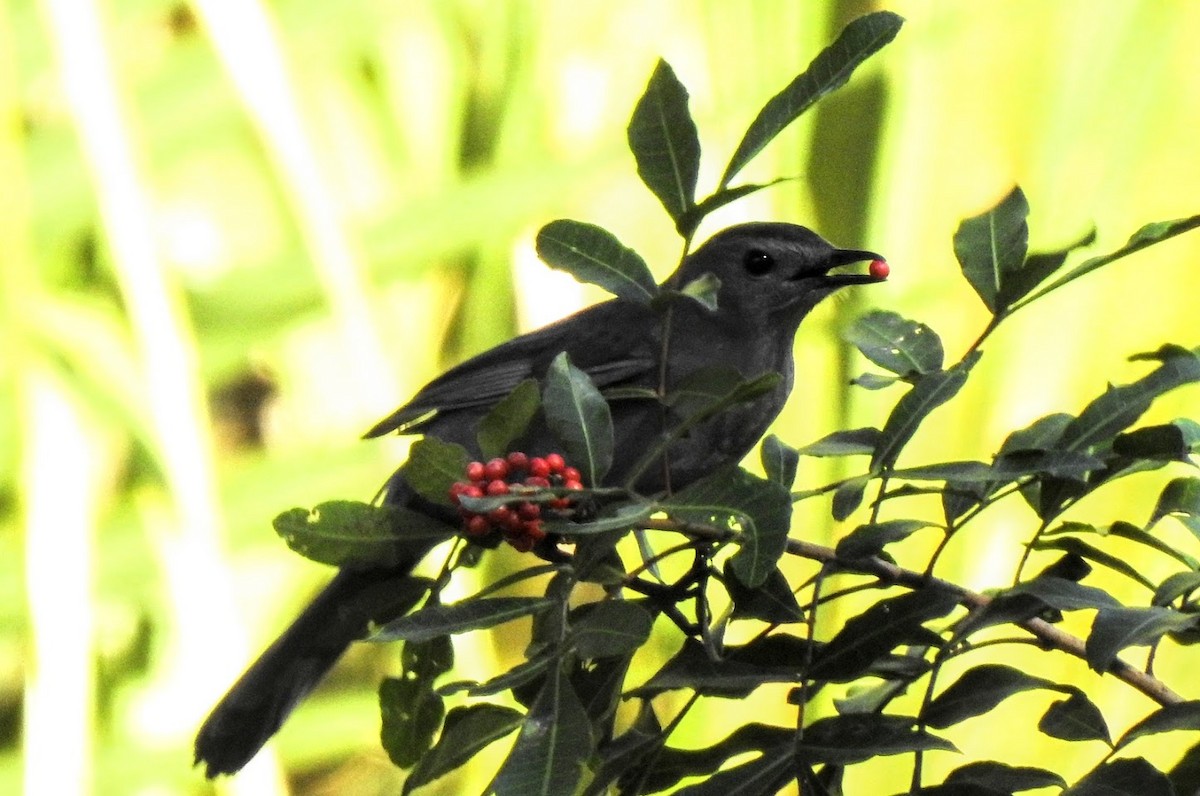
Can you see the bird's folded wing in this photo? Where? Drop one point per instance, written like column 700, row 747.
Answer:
column 611, row 349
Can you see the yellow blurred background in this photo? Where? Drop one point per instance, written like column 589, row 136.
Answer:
column 235, row 234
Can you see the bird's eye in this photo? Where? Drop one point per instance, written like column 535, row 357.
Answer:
column 758, row 262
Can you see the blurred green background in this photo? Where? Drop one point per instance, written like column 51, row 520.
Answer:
column 235, row 234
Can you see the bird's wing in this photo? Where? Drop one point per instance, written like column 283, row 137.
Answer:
column 614, row 343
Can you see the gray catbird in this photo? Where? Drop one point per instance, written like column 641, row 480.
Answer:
column 771, row 275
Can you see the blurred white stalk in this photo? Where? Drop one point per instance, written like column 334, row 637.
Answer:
column 246, row 42
column 207, row 655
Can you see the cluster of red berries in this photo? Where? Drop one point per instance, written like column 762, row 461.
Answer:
column 520, row 522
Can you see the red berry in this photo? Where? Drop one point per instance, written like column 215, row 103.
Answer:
column 529, row 511
column 556, row 463
column 497, row 487
column 472, row 490
column 517, row 460
column 496, row 469
column 474, row 471
column 572, row 485
column 572, row 474
column 538, row 467
column 501, row 516
column 533, row 530
column 522, row 544
column 456, row 489
column 560, row 503
column 537, row 481
column 478, row 525
column 879, row 269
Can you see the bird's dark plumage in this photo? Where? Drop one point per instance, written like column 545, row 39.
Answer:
column 771, row 275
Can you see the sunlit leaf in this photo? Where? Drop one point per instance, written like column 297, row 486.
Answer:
column 895, row 343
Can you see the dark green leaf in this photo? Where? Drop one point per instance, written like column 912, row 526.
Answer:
column 868, row 540
column 1113, row 411
column 848, row 497
column 779, row 461
column 875, row 632
column 1114, row 629
column 508, row 419
column 1075, row 718
column 432, row 466
column 714, row 387
column 624, row 518
column 777, row 658
column 930, row 391
column 855, row 737
column 521, row 674
column 1007, row 467
column 874, row 381
column 991, row 247
column 429, row 659
column 765, row 774
column 1185, row 774
column 1070, row 544
column 611, row 627
column 1180, row 498
column 772, row 602
column 1176, row 586
column 471, row 614
column 1180, row 716
column 346, row 533
column 1065, row 595
column 555, row 741
column 1126, row 530
column 687, row 224
column 857, row 441
column 1005, row 778
column 671, row 764
column 592, row 254
column 761, row 508
column 895, row 343
column 663, row 139
column 1132, row 777
column 978, row 691
column 1148, row 235
column 468, row 730
column 1036, row 269
column 579, row 418
column 411, row 714
column 861, row 39
column 1173, row 441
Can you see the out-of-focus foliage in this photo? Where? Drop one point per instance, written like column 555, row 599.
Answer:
column 234, row 235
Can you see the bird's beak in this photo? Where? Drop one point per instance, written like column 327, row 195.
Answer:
column 842, row 257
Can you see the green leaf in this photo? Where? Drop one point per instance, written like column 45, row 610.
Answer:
column 1174, row 441
column 578, row 416
column 1075, row 718
column 767, row 773
column 848, row 497
column 611, row 627
column 874, row 381
column 1180, row 716
column 411, row 713
column 761, row 508
column 978, row 691
column 1180, row 498
column 1148, row 235
column 1113, row 411
column 875, row 632
column 703, row 290
column 663, row 139
column 778, row 658
column 1064, row 595
column 895, row 343
column 1175, row 586
column 592, row 254
column 1004, row 778
column 517, row 676
column 832, row 67
column 1071, row 544
column 346, row 533
column 624, row 518
column 1131, row 777
column 1037, row 268
column 552, row 747
column 930, row 391
column 686, row 225
column 1114, row 629
column 869, row 540
column 472, row 614
column 991, row 247
column 508, row 419
column 855, row 737
column 467, row 731
column 779, row 460
column 432, row 466
column 711, row 389
column 853, row 442
column 773, row 601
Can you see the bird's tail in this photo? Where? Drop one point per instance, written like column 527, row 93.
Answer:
column 262, row 698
